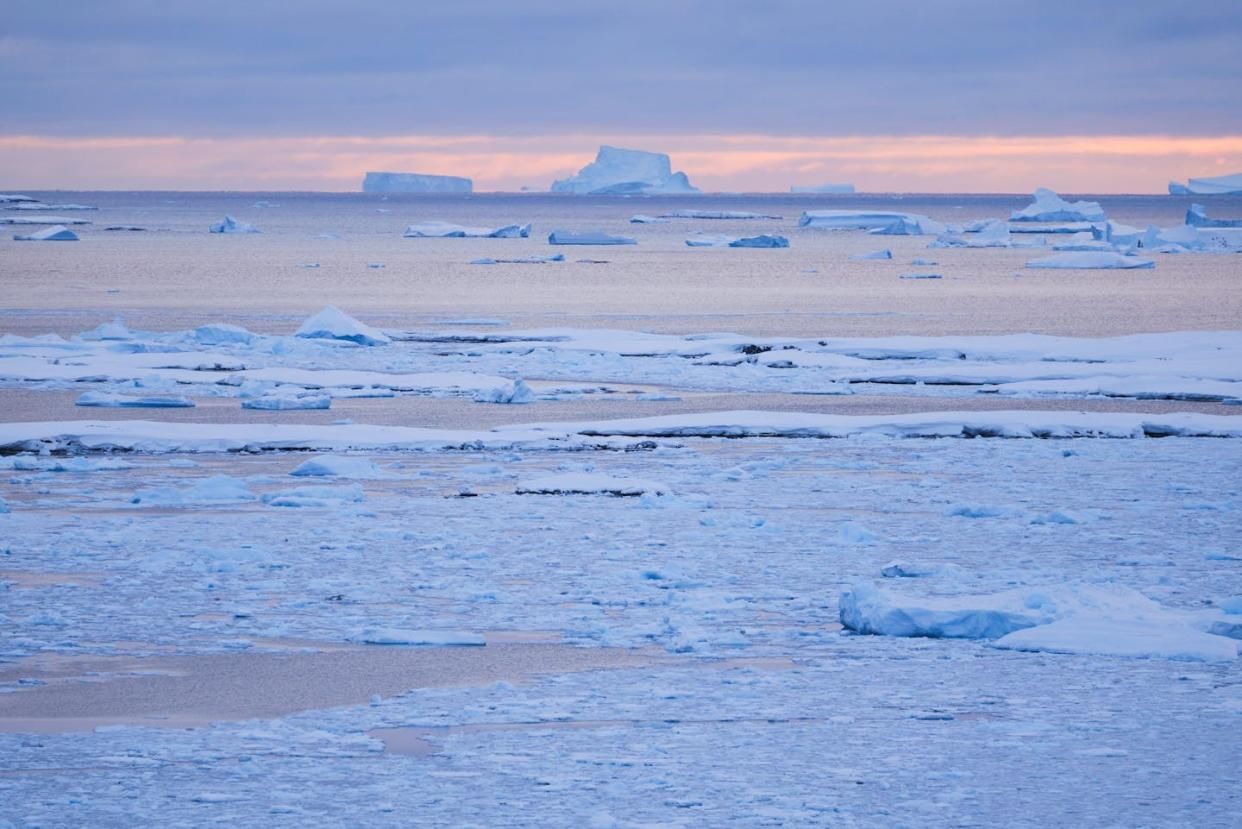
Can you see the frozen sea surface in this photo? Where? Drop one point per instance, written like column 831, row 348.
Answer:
column 186, row 632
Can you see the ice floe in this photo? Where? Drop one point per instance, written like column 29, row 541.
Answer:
column 427, row 638
column 516, row 392
column 864, row 220
column 763, row 240
column 617, row 171
column 1049, row 207
column 447, row 230
column 288, row 401
column 42, row 220
column 714, row 214
column 334, row 324
column 230, row 225
column 1091, row 260
column 588, row 237
column 588, row 483
column 125, row 401
column 884, row 254
column 911, row 225
column 218, row 489
column 521, row 260
column 336, row 466
column 1197, row 216
column 1096, row 619
column 304, row 497
column 822, row 189
column 59, row 233
column 640, row 219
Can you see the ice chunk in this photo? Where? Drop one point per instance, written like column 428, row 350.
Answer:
column 521, row 260
column 217, row 489
column 617, row 171
column 230, row 225
column 516, row 392
column 315, row 496
column 860, row 219
column 714, row 214
column 438, row 638
column 911, row 225
column 289, row 401
column 334, row 324
column 378, row 182
column 709, row 240
column 589, row 483
column 922, row 276
column 1049, row 207
column 336, row 466
column 873, row 255
column 121, row 401
column 588, row 237
column 1197, row 217
column 42, row 206
column 125, row 227
column 59, row 233
column 763, row 240
column 1091, row 260
column 866, row 608
column 42, row 220
column 640, row 219
column 1220, row 185
column 834, row 189
column 449, row 230
column 1141, row 637
column 222, row 333
column 1082, row 242
column 7, row 198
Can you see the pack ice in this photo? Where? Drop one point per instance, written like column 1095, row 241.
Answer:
column 617, row 171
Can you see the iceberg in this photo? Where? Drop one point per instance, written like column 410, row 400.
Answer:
column 230, row 225
column 447, row 230
column 59, row 233
column 859, row 219
column 1196, row 216
column 709, row 240
column 875, row 254
column 714, row 214
column 336, row 466
column 764, row 240
column 993, row 234
column 640, row 219
column 1049, row 207
column 823, row 189
column 617, row 171
column 121, row 401
column 1218, row 186
column 912, row 225
column 334, row 324
column 1091, row 260
column 42, row 206
column 588, row 237
column 414, row 183
column 289, row 401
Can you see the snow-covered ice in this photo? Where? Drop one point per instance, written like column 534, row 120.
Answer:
column 1214, row 186
column 379, row 182
column 57, row 233
column 1049, row 207
column 884, row 254
column 1091, row 260
column 128, row 401
column 588, row 237
column 334, row 324
column 865, row 220
column 617, row 171
column 437, row 229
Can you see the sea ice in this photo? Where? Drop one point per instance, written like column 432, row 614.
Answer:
column 521, row 260
column 640, row 219
column 122, row 401
column 860, row 219
column 617, row 171
column 709, row 240
column 230, row 225
column 912, row 225
column 379, row 182
column 315, row 496
column 875, row 254
column 1219, row 185
column 336, row 466
column 289, row 401
column 588, row 483
column 516, row 392
column 588, row 237
column 1197, row 217
column 761, row 241
column 1049, row 207
column 444, row 230
column 823, row 189
column 42, row 220
column 432, row 638
column 714, row 214
column 214, row 490
column 1091, row 260
column 334, row 324
column 59, row 233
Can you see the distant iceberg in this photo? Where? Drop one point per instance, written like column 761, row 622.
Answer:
column 1049, row 207
column 230, row 225
column 823, row 189
column 764, row 240
column 59, row 233
column 415, row 183
column 9, row 198
column 1196, row 216
column 445, row 230
column 617, row 171
column 42, row 220
column 640, row 219
column 1221, row 185
column 714, row 214
column 912, row 225
column 873, row 255
column 861, row 219
column 588, row 237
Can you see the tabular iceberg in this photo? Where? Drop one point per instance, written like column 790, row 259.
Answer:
column 1197, row 217
column 1220, row 185
column 823, row 189
column 1049, row 207
column 415, row 183
column 588, row 237
column 1091, row 260
column 617, row 171
column 859, row 219
column 447, row 230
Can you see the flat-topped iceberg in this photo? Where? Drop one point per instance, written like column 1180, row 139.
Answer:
column 859, row 219
column 823, row 189
column 617, row 171
column 288, row 401
column 1218, row 186
column 714, row 214
column 588, row 237
column 448, row 230
column 59, row 233
column 334, row 324
column 122, row 401
column 1091, row 260
column 230, row 225
column 1049, row 207
column 375, row 182
column 1197, row 216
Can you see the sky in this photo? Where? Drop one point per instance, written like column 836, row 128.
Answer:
column 951, row 95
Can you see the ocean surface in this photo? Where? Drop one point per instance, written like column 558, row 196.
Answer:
column 175, row 274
